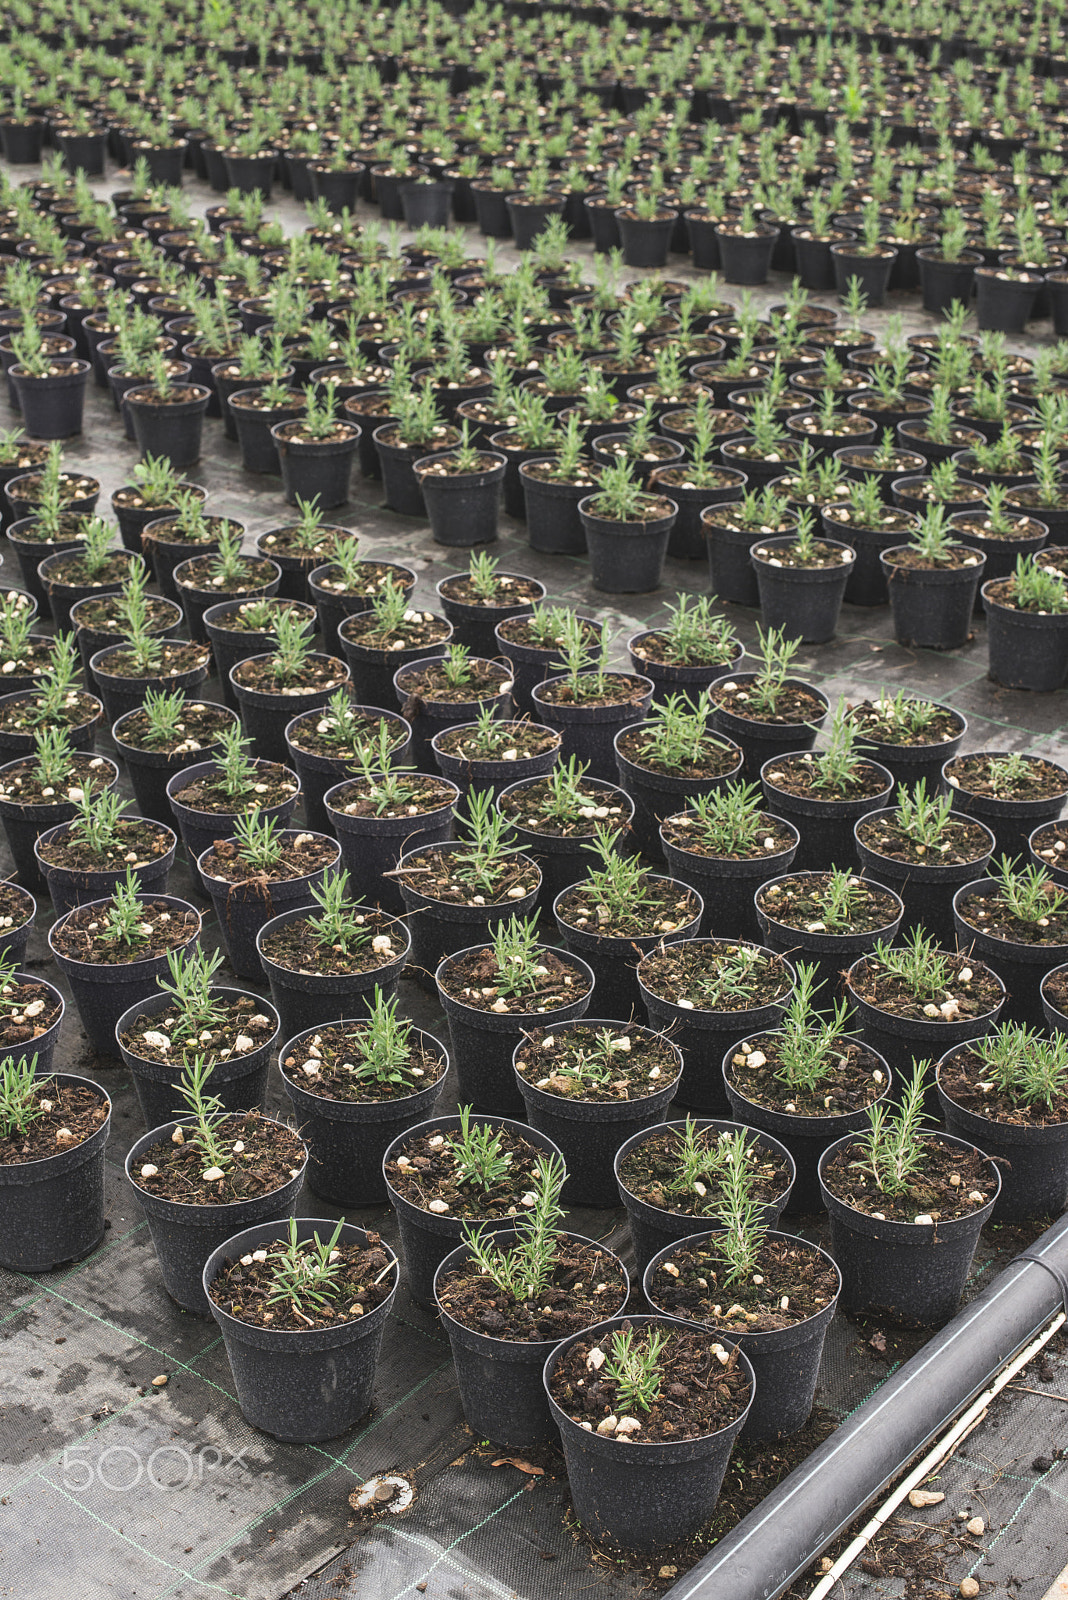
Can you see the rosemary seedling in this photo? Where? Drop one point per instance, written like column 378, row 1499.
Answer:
column 307, row 1272
column 1021, row 1064
column 522, row 1270
column 810, row 1042
column 633, row 1367
column 192, row 973
column 893, row 1150
column 383, row 1048
column 342, row 925
column 206, row 1112
column 19, row 1095
column 259, row 845
column 478, row 1152
column 1030, row 893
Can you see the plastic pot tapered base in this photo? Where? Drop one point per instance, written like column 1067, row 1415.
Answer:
column 1032, row 1160
column 463, row 510
column 347, row 1139
column 804, row 601
column 553, row 522
column 184, row 1235
column 626, row 557
column 649, row 1496
column 925, row 889
column 703, row 1037
column 52, row 1209
column 239, row 1083
column 372, row 846
column 501, row 1391
column 589, row 731
column 932, row 610
column 911, row 1273
column 652, row 1228
column 727, row 886
column 1027, row 650
column 614, row 959
column 589, row 1132
column 439, row 928
column 303, row 1385
column 427, row 1238
column 103, row 993
column 483, row 1043
column 785, row 1361
column 243, row 908
column 304, row 998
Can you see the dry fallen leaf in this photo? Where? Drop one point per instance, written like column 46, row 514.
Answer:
column 878, row 1342
column 523, row 1466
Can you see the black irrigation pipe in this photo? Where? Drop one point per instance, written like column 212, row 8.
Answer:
column 785, row 1533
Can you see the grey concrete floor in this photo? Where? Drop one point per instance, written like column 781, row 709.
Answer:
column 77, row 1349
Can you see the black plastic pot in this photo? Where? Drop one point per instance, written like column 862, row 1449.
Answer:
column 22, row 140
column 90, row 639
column 150, row 771
column 472, row 775
column 656, row 795
column 652, row 1228
column 589, row 1132
column 648, row 1496
column 24, row 825
column 1032, row 1158
column 52, row 407
column 372, row 668
column 669, row 678
column 427, row 1238
column 805, row 601
column 553, row 522
column 727, row 885
column 404, row 490
column 319, row 774
column 243, row 908
column 122, row 693
column 303, row 1385
column 931, row 607
column 44, row 1046
column 52, row 1209
column 69, row 888
column 531, row 665
column 1021, row 967
column 615, row 959
column 1056, row 1020
column 173, row 430
column 806, row 1138
column 902, row 1041
column 872, row 270
column 333, row 608
column 464, row 509
column 103, row 993
column 30, row 553
column 688, row 541
column 832, row 953
column 82, row 735
column 255, row 431
column 645, row 240
column 626, row 557
column 483, row 1042
column 943, row 282
column 14, row 940
column 926, row 888
column 908, row 764
column 785, row 1361
column 1027, row 649
column 440, row 928
column 1002, row 303
column 1010, row 821
column 239, row 1083
column 427, row 716
column 267, row 714
column 760, row 741
column 347, row 1139
column 702, row 1038
column 372, row 846
column 316, row 467
column 61, row 596
column 909, row 1272
column 500, row 1380
column 164, row 555
column 476, row 625
column 184, row 1235
column 200, row 829
column 826, row 827
column 564, row 860
column 231, row 645
column 196, row 602
column 589, row 731
column 304, row 998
